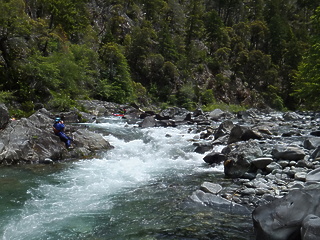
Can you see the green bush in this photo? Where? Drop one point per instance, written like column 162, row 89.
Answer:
column 60, row 102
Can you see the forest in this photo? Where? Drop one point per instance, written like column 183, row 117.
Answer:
column 187, row 53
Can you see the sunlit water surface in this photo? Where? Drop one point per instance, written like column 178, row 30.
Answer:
column 138, row 190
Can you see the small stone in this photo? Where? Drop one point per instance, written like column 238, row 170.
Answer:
column 209, row 187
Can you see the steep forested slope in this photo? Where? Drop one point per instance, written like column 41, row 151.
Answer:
column 183, row 52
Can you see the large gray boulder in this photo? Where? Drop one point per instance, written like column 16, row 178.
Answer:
column 216, row 114
column 282, row 219
column 311, row 143
column 310, row 228
column 242, row 133
column 292, row 153
column 240, row 158
column 223, row 129
column 31, row 140
column 148, row 121
column 214, row 158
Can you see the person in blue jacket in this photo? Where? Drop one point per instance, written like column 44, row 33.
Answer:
column 58, row 129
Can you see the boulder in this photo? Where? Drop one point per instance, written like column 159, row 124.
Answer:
column 273, row 166
column 316, row 153
column 311, row 143
column 174, row 113
column 283, row 218
column 202, row 147
column 214, row 158
column 31, row 140
column 310, row 229
column 248, row 114
column 291, row 116
column 240, row 157
column 209, row 187
column 223, row 129
column 218, row 202
column 291, row 153
column 148, row 121
column 216, row 114
column 242, row 133
column 315, row 133
column 261, row 163
column 313, row 176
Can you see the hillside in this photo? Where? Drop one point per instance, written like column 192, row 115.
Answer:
column 175, row 52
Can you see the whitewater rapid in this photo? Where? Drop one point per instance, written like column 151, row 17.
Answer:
column 70, row 202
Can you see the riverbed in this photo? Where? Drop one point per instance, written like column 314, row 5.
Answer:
column 139, row 190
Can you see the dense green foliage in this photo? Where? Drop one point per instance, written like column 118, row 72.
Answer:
column 185, row 52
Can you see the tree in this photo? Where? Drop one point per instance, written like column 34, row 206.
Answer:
column 142, row 45
column 278, row 28
column 14, row 31
column 195, row 25
column 307, row 80
column 116, row 84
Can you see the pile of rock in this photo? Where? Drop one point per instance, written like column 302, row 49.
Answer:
column 31, row 140
column 274, row 163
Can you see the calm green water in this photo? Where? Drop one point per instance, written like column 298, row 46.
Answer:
column 138, row 190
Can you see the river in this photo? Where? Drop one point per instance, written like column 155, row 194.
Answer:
column 138, row 190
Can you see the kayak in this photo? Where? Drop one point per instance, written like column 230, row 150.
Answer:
column 118, row 114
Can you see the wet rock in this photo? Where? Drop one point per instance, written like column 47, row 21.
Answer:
column 214, row 158
column 248, row 114
column 223, row 129
column 316, row 153
column 292, row 153
column 216, row 114
column 311, row 143
column 240, row 157
column 315, row 133
column 148, row 121
column 261, row 163
column 218, row 202
column 310, row 229
column 313, row 176
column 209, row 187
column 291, row 116
column 47, row 161
column 301, row 176
column 242, row 133
column 283, row 218
column 202, row 147
column 273, row 166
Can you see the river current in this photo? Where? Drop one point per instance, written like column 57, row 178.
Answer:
column 139, row 190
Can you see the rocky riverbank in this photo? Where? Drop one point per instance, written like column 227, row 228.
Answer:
column 271, row 157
